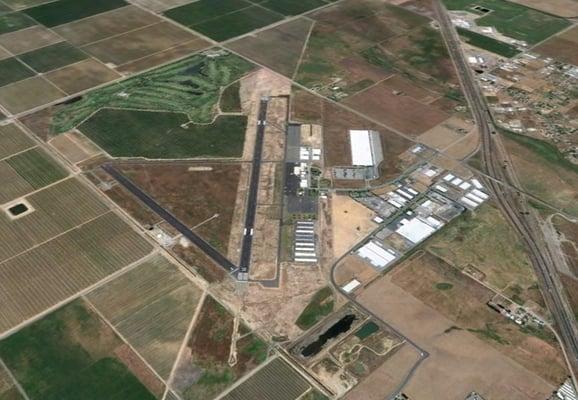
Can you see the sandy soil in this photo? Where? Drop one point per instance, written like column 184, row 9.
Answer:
column 445, row 134
column 459, row 362
column 354, row 267
column 351, row 223
column 273, row 312
column 264, row 256
column 386, row 379
column 69, row 148
column 464, row 147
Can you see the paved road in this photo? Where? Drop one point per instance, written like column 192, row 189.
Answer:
column 209, row 250
column 512, row 204
column 253, row 191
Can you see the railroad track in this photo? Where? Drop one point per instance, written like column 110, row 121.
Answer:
column 511, row 203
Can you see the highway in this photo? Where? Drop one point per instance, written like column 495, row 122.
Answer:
column 209, row 250
column 253, row 192
column 513, row 206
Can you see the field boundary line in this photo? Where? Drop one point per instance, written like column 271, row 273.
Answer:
column 303, row 50
column 75, row 296
column 208, row 46
column 35, row 191
column 188, row 334
column 121, row 336
column 81, row 47
column 16, row 383
column 53, row 238
column 34, row 146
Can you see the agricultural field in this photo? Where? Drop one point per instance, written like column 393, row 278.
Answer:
column 152, row 306
column 36, row 167
column 463, row 301
column 42, row 276
column 568, row 236
column 160, row 107
column 484, row 245
column 220, row 351
column 72, row 354
column 562, row 47
column 13, row 140
column 513, row 20
column 8, row 389
column 70, row 45
column 226, row 19
column 320, row 306
column 543, row 171
column 488, row 43
column 276, row 381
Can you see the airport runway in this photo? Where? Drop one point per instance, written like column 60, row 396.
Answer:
column 253, row 192
column 209, row 250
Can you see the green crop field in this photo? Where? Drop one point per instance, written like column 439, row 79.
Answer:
column 64, row 11
column 37, row 168
column 69, row 355
column 320, row 305
column 13, row 140
column 52, row 57
column 488, row 43
column 161, row 135
column 513, row 20
column 204, row 10
column 14, row 22
column 293, row 7
column 152, row 317
column 237, row 23
column 12, row 70
column 276, row 381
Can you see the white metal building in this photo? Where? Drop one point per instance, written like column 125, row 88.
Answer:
column 366, row 149
column 376, row 255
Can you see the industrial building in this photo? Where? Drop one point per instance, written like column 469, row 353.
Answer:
column 366, row 151
column 377, row 255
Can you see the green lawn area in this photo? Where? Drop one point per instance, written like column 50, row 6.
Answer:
column 237, row 23
column 69, row 355
column 191, row 86
column 64, row 11
column 53, row 57
column 230, row 98
column 15, row 21
column 320, row 305
column 37, row 168
column 12, row 70
column 513, row 20
column 488, row 43
column 127, row 133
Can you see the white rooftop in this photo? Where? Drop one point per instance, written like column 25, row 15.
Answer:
column 361, row 153
column 415, row 230
column 376, row 255
column 351, row 286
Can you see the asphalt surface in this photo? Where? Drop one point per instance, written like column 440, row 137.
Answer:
column 512, row 204
column 209, row 250
column 247, row 244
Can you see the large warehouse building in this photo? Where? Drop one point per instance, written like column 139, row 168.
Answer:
column 366, row 151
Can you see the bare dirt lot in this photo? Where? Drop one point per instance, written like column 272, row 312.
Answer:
column 445, row 134
column 72, row 148
column 139, row 43
column 101, row 26
column 459, row 362
column 398, row 111
column 274, row 311
column 203, row 199
column 81, row 76
column 28, row 39
column 351, row 221
column 28, row 94
column 386, row 379
column 278, row 48
column 354, row 267
column 562, row 47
